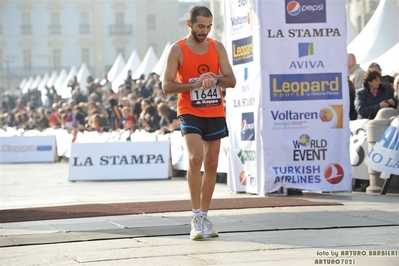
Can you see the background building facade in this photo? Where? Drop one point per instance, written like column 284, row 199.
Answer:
column 37, row 37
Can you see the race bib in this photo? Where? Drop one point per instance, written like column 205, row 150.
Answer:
column 204, row 98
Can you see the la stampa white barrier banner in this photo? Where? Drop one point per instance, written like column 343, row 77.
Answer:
column 119, row 161
column 27, row 149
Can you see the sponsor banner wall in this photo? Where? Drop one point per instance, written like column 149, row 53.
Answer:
column 305, row 95
column 119, row 161
column 384, row 156
column 292, row 54
column 243, row 102
column 27, row 149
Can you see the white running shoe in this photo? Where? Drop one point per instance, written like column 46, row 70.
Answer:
column 208, row 228
column 196, row 228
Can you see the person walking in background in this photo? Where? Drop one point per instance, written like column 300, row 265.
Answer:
column 372, row 97
column 355, row 72
column 201, row 66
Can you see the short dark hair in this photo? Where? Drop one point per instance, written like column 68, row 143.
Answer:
column 371, row 75
column 374, row 66
column 199, row 11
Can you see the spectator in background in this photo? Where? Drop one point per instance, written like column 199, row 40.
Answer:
column 149, row 118
column 80, row 115
column 77, row 96
column 396, row 90
column 352, row 96
column 128, row 118
column 172, row 101
column 386, row 80
column 128, row 79
column 7, row 102
column 73, row 82
column 168, row 121
column 42, row 116
column 372, row 97
column 356, row 73
column 93, row 98
column 70, row 120
column 95, row 123
column 45, row 98
column 142, row 90
column 106, row 87
column 20, row 104
column 137, row 111
column 90, row 85
column 115, row 115
column 125, row 101
column 55, row 118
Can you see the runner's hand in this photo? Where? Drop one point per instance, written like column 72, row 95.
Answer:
column 209, row 80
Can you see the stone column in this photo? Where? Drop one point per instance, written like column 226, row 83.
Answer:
column 375, row 129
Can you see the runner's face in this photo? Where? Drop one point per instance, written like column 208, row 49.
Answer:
column 201, row 28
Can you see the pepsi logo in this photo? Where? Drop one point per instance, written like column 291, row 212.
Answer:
column 334, row 173
column 243, row 126
column 243, row 178
column 293, row 8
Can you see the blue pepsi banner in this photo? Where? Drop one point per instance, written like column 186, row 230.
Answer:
column 305, row 11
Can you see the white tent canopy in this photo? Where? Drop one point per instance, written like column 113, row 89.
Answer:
column 82, row 75
column 149, row 62
column 116, row 68
column 160, row 66
column 132, row 64
column 389, row 61
column 52, row 79
column 379, row 35
column 61, row 77
column 23, row 83
column 351, row 31
column 28, row 84
column 36, row 83
column 63, row 90
column 43, row 83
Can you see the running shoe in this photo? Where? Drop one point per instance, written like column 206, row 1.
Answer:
column 208, row 228
column 196, row 228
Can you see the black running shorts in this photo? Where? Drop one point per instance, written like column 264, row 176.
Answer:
column 208, row 128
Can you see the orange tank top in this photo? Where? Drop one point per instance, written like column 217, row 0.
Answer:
column 198, row 102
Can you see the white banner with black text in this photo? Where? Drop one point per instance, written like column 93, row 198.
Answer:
column 119, row 161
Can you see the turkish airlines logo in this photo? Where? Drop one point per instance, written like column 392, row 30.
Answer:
column 334, row 173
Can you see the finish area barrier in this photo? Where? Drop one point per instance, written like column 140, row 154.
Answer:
column 126, row 143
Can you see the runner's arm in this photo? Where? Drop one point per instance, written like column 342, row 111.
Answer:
column 228, row 80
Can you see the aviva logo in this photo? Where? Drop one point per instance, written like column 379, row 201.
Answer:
column 305, row 49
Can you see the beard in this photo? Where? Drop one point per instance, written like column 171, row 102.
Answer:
column 195, row 36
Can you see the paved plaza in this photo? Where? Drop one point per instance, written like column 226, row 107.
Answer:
column 363, row 230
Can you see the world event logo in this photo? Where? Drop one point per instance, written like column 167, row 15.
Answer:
column 243, row 51
column 305, row 11
column 299, row 87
